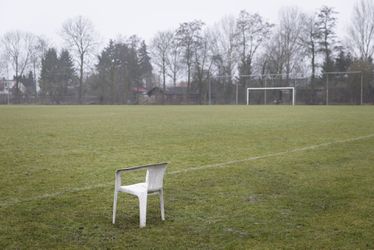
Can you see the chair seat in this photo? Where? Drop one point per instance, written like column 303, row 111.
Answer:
column 134, row 189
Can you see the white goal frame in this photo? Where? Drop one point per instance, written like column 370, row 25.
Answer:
column 273, row 88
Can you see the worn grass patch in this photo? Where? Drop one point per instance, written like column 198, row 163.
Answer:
column 57, row 172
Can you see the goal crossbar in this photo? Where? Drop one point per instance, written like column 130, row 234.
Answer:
column 273, row 88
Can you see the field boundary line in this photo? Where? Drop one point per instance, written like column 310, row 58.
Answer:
column 311, row 147
column 188, row 169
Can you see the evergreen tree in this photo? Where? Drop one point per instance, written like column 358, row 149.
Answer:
column 107, row 68
column 145, row 66
column 29, row 84
column 57, row 75
column 326, row 22
column 49, row 75
column 343, row 62
column 133, row 70
column 118, row 72
column 66, row 73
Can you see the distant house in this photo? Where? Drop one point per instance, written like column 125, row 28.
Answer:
column 7, row 89
column 154, row 96
column 139, row 90
column 7, row 86
column 138, row 94
column 173, row 95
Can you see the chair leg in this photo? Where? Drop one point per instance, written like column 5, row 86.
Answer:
column 115, row 206
column 162, row 204
column 143, row 209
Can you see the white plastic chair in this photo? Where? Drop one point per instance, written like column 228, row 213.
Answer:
column 153, row 185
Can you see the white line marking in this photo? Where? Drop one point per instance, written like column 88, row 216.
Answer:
column 188, row 169
column 224, row 164
column 15, row 201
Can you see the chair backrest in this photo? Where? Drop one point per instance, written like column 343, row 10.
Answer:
column 155, row 177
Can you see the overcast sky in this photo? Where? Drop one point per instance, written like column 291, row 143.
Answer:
column 144, row 17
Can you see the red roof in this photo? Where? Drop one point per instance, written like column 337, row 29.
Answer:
column 138, row 90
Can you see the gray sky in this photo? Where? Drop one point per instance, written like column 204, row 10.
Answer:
column 144, row 17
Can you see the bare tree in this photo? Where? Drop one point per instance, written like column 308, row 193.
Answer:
column 3, row 66
column 174, row 59
column 309, row 40
column 252, row 31
column 40, row 48
column 80, row 36
column 188, row 36
column 361, row 30
column 290, row 30
column 225, row 53
column 203, row 62
column 274, row 55
column 160, row 48
column 18, row 47
column 224, row 45
column 326, row 22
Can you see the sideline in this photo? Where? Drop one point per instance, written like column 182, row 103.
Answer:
column 224, row 164
column 209, row 166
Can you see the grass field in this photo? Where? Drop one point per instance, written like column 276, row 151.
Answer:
column 312, row 185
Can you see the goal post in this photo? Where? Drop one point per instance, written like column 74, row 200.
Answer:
column 292, row 89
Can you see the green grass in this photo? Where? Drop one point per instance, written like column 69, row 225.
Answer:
column 317, row 198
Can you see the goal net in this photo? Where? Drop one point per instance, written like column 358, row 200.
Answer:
column 271, row 95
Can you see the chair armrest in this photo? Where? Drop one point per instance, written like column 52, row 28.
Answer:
column 130, row 169
column 118, row 179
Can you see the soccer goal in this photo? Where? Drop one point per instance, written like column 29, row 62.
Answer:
column 271, row 89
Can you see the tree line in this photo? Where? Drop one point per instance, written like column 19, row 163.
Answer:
column 232, row 50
